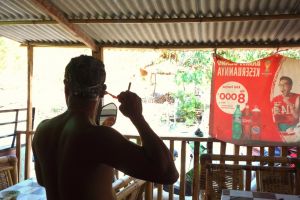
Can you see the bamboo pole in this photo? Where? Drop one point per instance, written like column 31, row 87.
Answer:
column 29, row 111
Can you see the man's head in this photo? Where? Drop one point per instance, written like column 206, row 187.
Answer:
column 85, row 77
column 285, row 85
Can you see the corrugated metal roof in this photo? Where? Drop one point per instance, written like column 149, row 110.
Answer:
column 14, row 15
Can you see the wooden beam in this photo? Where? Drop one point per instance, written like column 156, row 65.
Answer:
column 161, row 20
column 29, row 111
column 59, row 16
column 252, row 45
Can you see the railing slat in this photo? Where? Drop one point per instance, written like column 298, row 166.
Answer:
column 159, row 192
column 209, row 147
column 284, row 151
column 271, row 153
column 248, row 173
column 15, row 129
column 171, row 187
column 18, row 152
column 149, row 191
column 182, row 171
column 223, row 148
column 196, row 177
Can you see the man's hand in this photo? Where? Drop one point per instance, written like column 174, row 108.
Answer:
column 131, row 104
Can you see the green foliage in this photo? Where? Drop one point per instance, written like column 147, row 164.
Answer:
column 195, row 74
column 252, row 55
column 245, row 55
column 291, row 54
column 187, row 105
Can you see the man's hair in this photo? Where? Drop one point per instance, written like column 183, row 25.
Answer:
column 85, row 76
column 286, row 78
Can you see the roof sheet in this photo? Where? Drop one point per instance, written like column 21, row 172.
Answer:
column 24, row 21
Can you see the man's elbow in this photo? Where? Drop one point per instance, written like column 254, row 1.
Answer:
column 169, row 176
column 172, row 177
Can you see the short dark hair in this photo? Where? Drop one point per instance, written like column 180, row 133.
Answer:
column 286, row 78
column 85, row 76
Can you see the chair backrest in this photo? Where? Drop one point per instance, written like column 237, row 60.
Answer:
column 129, row 188
column 237, row 172
column 281, row 181
column 8, row 171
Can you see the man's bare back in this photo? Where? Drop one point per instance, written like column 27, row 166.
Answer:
column 74, row 157
column 77, row 171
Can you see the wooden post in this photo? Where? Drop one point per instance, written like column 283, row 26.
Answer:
column 98, row 55
column 29, row 111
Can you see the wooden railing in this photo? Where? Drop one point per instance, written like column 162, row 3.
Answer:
column 14, row 120
column 210, row 145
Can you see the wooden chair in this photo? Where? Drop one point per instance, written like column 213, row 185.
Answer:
column 8, row 171
column 278, row 179
column 129, row 188
column 235, row 172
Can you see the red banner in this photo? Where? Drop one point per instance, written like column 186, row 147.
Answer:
column 257, row 102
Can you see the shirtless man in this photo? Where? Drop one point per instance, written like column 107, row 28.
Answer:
column 74, row 157
column 286, row 106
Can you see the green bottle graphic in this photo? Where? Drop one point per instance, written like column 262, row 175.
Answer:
column 237, row 123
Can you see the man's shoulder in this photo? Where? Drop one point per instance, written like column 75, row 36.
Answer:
column 47, row 123
column 295, row 94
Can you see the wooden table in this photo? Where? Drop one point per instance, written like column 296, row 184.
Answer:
column 251, row 195
column 29, row 190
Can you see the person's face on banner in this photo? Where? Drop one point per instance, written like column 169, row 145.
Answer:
column 285, row 87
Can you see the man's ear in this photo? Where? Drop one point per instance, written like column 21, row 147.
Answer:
column 66, row 88
column 102, row 92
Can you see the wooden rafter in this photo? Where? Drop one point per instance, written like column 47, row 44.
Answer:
column 160, row 20
column 56, row 14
